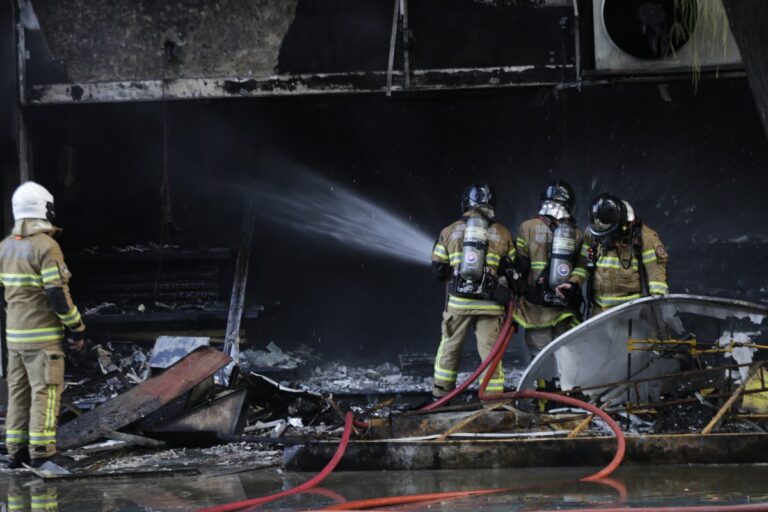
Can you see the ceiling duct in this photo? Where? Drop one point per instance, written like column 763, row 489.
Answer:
column 662, row 36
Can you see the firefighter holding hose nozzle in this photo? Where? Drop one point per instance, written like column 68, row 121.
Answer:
column 471, row 255
column 626, row 259
column 548, row 246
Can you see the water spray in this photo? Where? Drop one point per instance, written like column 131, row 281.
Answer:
column 318, row 207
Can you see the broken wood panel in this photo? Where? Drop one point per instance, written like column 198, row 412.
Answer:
column 747, row 20
column 486, row 454
column 145, row 398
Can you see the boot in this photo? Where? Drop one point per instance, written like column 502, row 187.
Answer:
column 18, row 459
column 58, row 459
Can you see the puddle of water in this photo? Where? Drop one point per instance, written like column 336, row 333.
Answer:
column 537, row 489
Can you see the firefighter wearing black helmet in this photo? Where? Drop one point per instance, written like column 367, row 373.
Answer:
column 468, row 255
column 548, row 246
column 627, row 258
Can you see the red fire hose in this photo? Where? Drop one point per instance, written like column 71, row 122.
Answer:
column 327, row 470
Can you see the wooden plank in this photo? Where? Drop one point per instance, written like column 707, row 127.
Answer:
column 729, row 403
column 145, row 398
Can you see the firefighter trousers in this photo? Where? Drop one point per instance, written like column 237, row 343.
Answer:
column 537, row 339
column 454, row 331
column 35, row 383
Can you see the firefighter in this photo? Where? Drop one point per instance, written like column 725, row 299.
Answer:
column 627, row 258
column 468, row 254
column 548, row 247
column 40, row 316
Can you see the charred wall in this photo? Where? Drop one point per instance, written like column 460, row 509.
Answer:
column 691, row 159
column 99, row 40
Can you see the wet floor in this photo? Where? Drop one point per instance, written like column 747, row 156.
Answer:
column 535, row 489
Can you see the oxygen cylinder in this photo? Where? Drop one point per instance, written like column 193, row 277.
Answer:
column 563, row 254
column 473, row 258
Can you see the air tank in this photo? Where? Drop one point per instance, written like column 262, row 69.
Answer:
column 475, row 244
column 563, row 254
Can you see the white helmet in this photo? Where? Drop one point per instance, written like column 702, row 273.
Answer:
column 32, row 201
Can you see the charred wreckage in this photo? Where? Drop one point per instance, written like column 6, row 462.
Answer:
column 682, row 375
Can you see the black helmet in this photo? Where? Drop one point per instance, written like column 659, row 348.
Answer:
column 608, row 217
column 477, row 195
column 559, row 191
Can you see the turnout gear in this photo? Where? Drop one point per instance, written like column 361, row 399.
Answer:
column 557, row 200
column 478, row 308
column 454, row 330
column 39, row 313
column 624, row 268
column 543, row 263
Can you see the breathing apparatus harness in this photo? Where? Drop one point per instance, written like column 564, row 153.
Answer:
column 472, row 278
column 561, row 257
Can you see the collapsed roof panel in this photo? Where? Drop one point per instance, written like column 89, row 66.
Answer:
column 631, row 349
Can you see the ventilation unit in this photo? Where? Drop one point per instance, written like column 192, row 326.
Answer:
column 662, row 35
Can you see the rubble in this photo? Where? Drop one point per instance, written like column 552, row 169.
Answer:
column 219, row 456
column 141, row 400
column 275, row 357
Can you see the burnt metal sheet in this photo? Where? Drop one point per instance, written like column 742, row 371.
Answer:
column 486, row 454
column 148, row 396
column 226, row 415
column 596, row 352
column 168, row 350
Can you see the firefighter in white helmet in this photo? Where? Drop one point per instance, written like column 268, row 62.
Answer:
column 40, row 317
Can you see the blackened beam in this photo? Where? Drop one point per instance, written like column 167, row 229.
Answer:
column 237, row 300
column 347, row 83
column 290, row 85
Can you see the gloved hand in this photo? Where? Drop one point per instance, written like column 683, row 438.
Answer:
column 76, row 337
column 567, row 291
column 441, row 270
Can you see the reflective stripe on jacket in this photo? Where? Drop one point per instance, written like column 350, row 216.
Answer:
column 31, row 261
column 616, row 278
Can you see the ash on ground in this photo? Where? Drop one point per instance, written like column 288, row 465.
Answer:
column 228, row 455
column 316, row 374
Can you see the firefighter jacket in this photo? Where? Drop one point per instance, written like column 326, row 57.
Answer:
column 616, row 278
column 31, row 262
column 534, row 242
column 449, row 249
